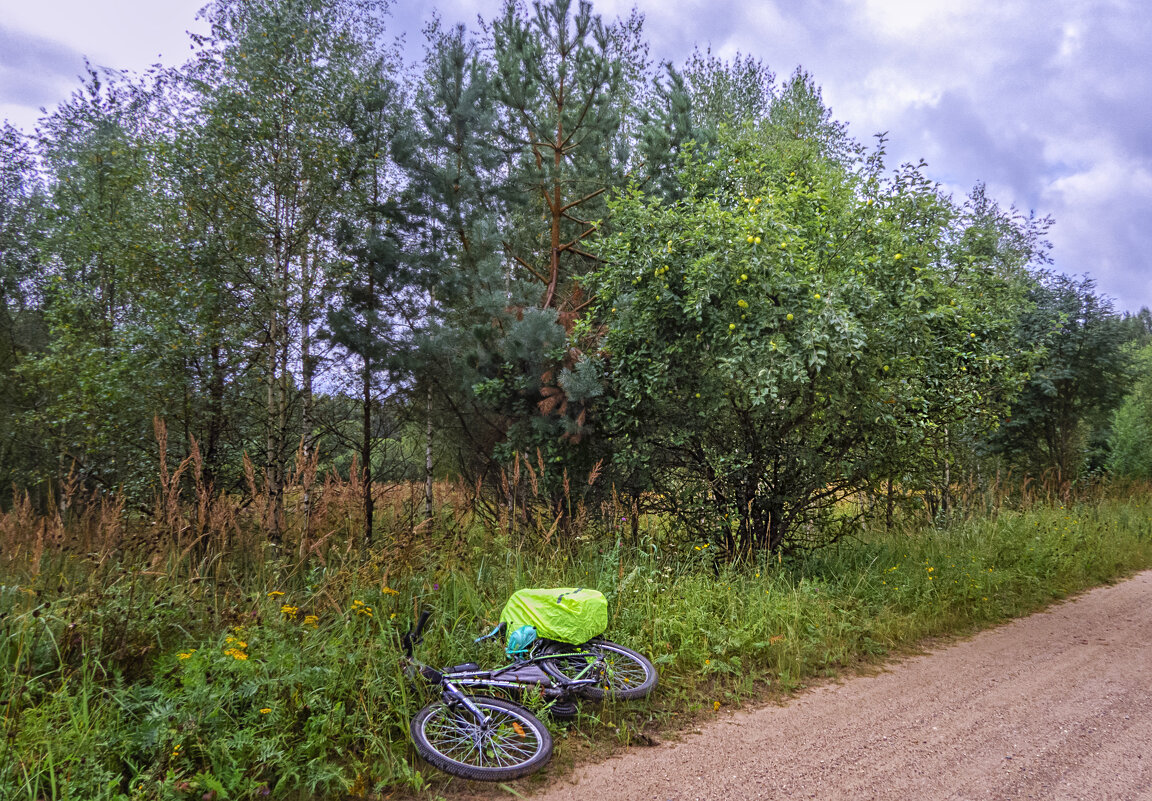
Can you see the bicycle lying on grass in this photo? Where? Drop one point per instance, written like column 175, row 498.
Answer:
column 492, row 739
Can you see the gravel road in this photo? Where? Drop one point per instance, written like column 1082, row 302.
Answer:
column 1057, row 705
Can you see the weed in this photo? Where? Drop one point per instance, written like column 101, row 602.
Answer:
column 142, row 661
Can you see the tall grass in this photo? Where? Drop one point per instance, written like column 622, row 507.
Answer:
column 178, row 656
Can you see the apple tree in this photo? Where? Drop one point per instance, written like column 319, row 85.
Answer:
column 771, row 338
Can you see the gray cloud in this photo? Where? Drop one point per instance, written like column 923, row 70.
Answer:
column 25, row 52
column 1047, row 101
column 35, row 71
column 970, row 145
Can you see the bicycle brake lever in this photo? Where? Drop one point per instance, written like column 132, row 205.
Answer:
column 496, row 632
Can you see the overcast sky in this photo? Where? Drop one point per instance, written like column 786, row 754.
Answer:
column 1049, row 102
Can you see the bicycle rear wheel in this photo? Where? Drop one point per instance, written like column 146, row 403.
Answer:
column 627, row 674
column 512, row 744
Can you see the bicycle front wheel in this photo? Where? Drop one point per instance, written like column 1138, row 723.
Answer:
column 512, row 744
column 627, row 674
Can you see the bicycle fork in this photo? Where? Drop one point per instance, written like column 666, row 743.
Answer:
column 453, row 697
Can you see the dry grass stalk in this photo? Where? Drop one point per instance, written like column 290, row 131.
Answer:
column 533, row 477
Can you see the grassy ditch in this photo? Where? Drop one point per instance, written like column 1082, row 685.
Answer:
column 131, row 679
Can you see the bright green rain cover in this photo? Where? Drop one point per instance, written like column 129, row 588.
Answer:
column 572, row 615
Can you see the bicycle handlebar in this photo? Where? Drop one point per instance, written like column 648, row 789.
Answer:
column 414, row 636
column 419, row 635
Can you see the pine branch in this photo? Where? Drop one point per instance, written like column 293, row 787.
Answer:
column 524, row 264
column 579, row 252
column 584, row 199
column 572, row 245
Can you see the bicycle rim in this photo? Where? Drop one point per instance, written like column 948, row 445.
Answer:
column 514, row 743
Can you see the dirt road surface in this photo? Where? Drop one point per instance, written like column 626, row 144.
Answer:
column 1053, row 706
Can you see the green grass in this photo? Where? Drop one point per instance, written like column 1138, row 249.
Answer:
column 119, row 682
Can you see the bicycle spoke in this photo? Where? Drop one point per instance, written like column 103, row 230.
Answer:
column 460, row 738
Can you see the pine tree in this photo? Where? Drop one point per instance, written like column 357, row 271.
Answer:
column 458, row 175
column 566, row 85
column 373, row 317
column 561, row 77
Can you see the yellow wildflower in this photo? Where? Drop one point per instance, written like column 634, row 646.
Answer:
column 275, row 594
column 289, row 611
column 265, row 711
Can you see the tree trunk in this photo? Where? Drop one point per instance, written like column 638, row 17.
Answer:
column 946, row 490
column 272, row 449
column 277, row 386
column 889, row 501
column 428, row 459
column 215, row 428
column 366, row 449
column 307, row 371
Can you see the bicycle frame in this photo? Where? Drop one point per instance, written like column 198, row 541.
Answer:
column 453, row 681
column 552, row 687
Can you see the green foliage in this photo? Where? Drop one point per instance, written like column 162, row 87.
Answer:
column 21, row 326
column 526, row 131
column 1130, row 438
column 454, row 174
column 1059, row 419
column 987, row 253
column 693, row 105
column 291, row 215
column 113, row 356
column 779, row 625
column 1138, row 326
column 728, row 94
column 560, row 78
column 799, row 113
column 19, row 206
